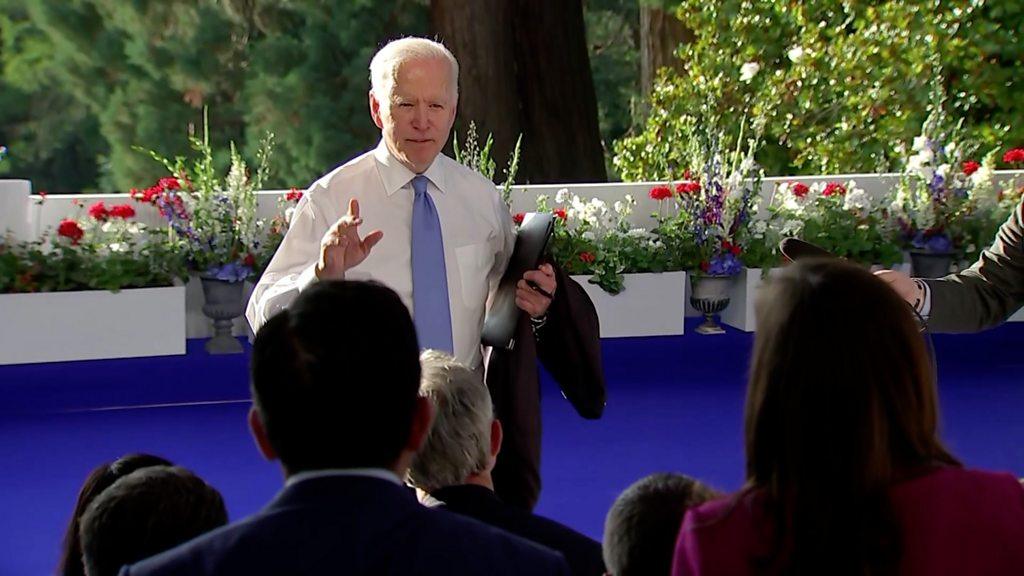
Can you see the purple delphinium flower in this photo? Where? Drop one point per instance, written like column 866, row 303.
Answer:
column 230, row 272
column 934, row 242
column 725, row 264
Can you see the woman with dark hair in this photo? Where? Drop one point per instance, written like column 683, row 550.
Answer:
column 845, row 470
column 97, row 481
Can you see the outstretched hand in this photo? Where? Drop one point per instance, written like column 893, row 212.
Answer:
column 341, row 248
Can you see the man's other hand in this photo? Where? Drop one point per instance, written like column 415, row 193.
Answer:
column 341, row 248
column 903, row 284
column 533, row 300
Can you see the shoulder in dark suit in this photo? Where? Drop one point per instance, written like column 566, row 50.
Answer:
column 582, row 553
column 352, row 525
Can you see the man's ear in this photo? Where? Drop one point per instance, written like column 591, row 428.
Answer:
column 375, row 110
column 423, row 417
column 259, row 433
column 497, row 434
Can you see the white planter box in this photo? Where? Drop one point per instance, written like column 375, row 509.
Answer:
column 650, row 305
column 742, row 297
column 62, row 326
column 14, row 203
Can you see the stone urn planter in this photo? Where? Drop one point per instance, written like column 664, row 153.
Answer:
column 927, row 264
column 223, row 303
column 709, row 295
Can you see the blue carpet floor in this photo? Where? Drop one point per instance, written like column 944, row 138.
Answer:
column 673, row 404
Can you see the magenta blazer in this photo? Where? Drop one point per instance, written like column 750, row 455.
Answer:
column 952, row 521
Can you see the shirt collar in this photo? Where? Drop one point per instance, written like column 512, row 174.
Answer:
column 379, row 473
column 395, row 176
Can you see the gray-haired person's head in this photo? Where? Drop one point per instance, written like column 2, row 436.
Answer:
column 386, row 62
column 460, row 437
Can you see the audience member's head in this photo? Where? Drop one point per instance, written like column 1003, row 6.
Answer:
column 98, row 480
column 841, row 402
column 144, row 513
column 642, row 525
column 335, row 381
column 465, row 438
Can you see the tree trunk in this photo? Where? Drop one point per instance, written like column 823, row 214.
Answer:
column 562, row 141
column 524, row 69
column 479, row 34
column 661, row 33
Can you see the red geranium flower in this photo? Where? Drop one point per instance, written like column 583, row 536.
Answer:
column 660, row 193
column 688, row 187
column 124, row 211
column 799, row 189
column 730, row 247
column 560, row 212
column 249, row 260
column 99, row 212
column 43, row 194
column 834, row 189
column 293, row 195
column 518, row 218
column 970, row 167
column 1014, row 156
column 68, row 228
column 587, row 257
column 168, row 183
column 705, row 266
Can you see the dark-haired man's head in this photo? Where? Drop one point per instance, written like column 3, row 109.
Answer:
column 641, row 528
column 144, row 513
column 96, row 482
column 335, row 381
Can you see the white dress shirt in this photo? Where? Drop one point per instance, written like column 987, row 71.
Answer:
column 476, row 229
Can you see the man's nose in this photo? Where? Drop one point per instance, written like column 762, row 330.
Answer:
column 419, row 117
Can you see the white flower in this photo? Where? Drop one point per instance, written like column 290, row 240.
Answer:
column 134, row 228
column 943, row 171
column 759, row 227
column 288, row 214
column 748, row 71
column 856, row 199
column 796, row 54
column 951, row 149
column 119, row 247
column 562, row 195
column 630, row 200
column 920, row 143
column 107, row 226
column 792, row 227
column 589, row 235
column 638, row 233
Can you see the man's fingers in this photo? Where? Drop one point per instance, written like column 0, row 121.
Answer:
column 371, row 239
column 547, row 269
column 353, row 208
column 542, row 281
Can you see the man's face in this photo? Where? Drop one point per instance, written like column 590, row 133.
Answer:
column 418, row 116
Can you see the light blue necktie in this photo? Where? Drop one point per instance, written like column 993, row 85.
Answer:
column 431, row 309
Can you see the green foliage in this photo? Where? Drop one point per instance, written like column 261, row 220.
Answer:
column 478, row 158
column 85, row 82
column 113, row 254
column 837, row 82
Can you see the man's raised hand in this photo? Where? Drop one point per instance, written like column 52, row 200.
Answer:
column 341, row 248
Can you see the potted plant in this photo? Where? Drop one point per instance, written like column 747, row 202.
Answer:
column 99, row 286
column 216, row 225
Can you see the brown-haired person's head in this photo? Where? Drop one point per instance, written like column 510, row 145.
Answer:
column 841, row 402
column 144, row 513
column 96, row 482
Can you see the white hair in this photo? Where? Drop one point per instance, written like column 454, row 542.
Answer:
column 386, row 62
column 459, row 443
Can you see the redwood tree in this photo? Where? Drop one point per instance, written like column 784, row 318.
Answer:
column 525, row 69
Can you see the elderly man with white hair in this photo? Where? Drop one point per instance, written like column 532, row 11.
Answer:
column 440, row 236
column 452, row 469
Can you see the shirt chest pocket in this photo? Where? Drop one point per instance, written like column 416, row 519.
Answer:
column 474, row 263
